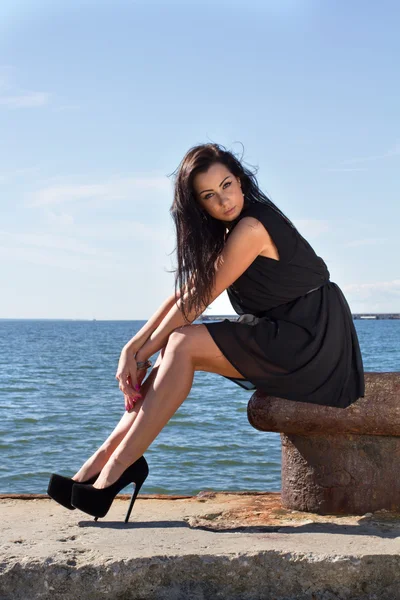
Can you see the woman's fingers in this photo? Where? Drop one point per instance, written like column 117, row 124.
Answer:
column 124, row 383
column 128, row 390
column 128, row 381
column 129, row 403
column 130, row 394
column 134, row 387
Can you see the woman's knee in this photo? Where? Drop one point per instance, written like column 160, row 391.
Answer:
column 179, row 340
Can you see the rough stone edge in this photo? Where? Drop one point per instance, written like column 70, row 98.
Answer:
column 266, row 574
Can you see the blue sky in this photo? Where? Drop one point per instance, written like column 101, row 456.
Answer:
column 99, row 101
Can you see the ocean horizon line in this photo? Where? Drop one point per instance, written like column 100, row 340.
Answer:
column 207, row 316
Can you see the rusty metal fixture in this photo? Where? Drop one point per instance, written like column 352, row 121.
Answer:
column 335, row 460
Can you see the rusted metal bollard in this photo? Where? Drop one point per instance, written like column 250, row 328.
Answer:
column 335, row 460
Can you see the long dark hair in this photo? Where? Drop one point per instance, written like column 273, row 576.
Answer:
column 200, row 237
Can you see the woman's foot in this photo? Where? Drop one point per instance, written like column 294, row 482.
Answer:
column 96, row 502
column 110, row 473
column 60, row 488
column 93, row 465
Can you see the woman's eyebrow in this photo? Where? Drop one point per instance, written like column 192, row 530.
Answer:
column 219, row 185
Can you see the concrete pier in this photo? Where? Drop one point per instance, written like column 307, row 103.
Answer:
column 228, row 546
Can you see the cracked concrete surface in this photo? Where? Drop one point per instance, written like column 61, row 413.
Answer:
column 233, row 546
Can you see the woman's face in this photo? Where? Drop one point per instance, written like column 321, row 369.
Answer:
column 219, row 192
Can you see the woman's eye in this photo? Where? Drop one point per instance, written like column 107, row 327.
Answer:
column 208, row 195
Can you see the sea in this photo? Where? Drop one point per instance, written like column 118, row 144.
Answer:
column 59, row 400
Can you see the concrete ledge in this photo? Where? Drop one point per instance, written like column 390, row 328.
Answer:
column 228, row 546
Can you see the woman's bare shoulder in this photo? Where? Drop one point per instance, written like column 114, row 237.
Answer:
column 259, row 232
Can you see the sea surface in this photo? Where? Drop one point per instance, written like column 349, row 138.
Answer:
column 59, row 400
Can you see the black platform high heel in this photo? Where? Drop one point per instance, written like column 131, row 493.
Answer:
column 60, row 488
column 97, row 502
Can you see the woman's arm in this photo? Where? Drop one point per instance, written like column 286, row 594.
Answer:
column 244, row 244
column 144, row 333
column 159, row 337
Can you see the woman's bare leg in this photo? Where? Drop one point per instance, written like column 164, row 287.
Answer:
column 96, row 462
column 189, row 348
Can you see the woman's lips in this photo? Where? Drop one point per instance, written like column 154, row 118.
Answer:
column 228, row 212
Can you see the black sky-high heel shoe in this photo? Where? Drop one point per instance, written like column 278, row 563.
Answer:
column 97, row 502
column 60, row 488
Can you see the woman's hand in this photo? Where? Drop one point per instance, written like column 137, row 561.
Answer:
column 127, row 376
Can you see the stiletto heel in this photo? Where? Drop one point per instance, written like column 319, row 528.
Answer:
column 97, row 502
column 60, row 488
column 132, row 502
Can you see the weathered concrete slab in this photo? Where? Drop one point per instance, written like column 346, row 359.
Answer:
column 229, row 546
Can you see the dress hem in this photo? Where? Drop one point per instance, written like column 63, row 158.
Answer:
column 230, row 361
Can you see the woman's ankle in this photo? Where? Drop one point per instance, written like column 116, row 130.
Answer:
column 92, row 466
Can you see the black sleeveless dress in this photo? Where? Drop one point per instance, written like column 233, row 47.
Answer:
column 295, row 337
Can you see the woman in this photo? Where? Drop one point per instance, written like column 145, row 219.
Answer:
column 294, row 339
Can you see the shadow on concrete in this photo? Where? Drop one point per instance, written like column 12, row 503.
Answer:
column 383, row 531
column 134, row 524
column 314, row 528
